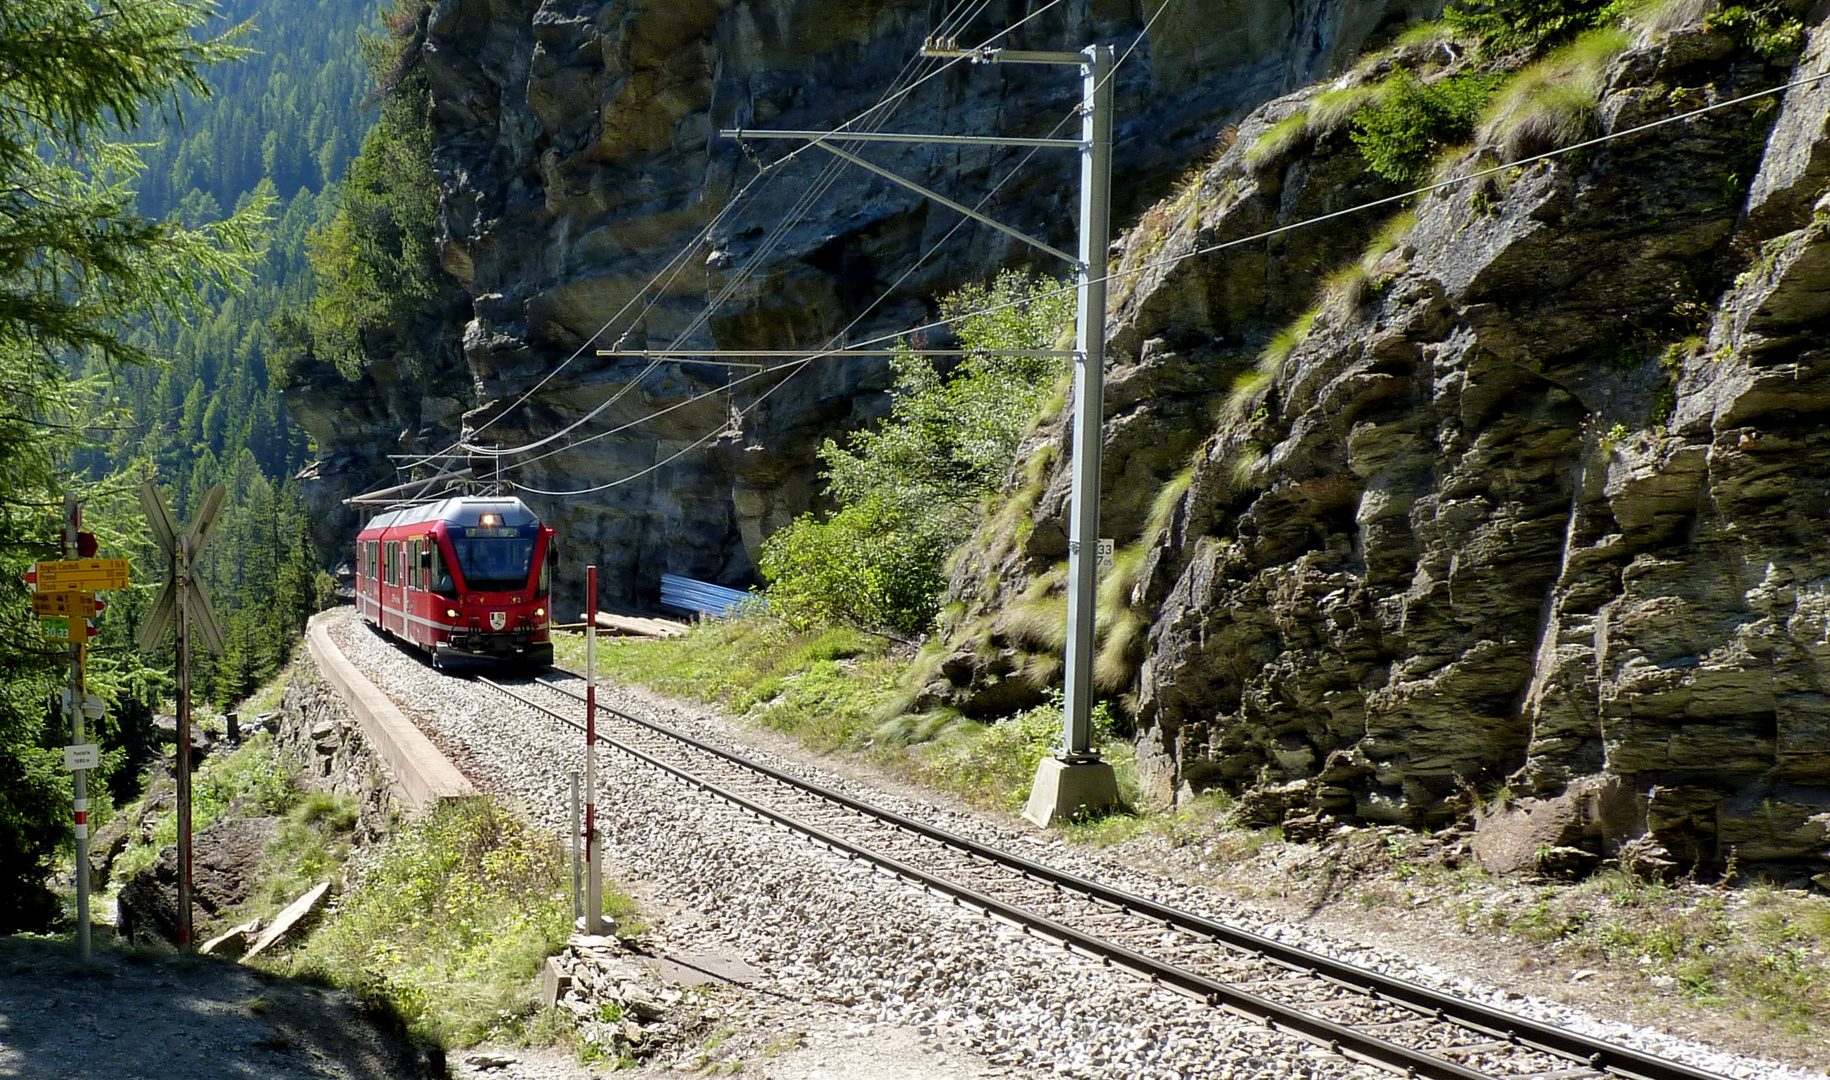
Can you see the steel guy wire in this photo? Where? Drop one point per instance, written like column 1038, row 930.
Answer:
column 794, row 368
column 677, row 263
column 1210, row 249
column 803, row 205
column 828, row 176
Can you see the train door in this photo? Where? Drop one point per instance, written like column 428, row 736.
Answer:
column 364, row 587
column 371, row 579
column 390, row 585
column 414, row 609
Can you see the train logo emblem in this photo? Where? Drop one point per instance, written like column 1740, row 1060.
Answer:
column 499, row 619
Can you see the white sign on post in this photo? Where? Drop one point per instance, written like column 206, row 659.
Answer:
column 1104, row 558
column 82, row 757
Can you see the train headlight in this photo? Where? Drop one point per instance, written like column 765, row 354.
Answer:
column 451, row 613
column 539, row 613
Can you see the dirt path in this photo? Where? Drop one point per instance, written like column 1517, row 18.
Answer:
column 154, row 1015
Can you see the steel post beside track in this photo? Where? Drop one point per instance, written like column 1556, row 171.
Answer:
column 594, row 870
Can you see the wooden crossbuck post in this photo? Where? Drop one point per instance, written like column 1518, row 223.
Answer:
column 183, row 596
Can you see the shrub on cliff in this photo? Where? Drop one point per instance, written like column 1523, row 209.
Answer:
column 908, row 492
column 1401, row 133
column 1514, row 25
column 376, row 263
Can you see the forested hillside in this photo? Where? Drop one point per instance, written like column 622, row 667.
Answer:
column 280, row 124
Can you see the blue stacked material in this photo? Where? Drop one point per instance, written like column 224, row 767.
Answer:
column 704, row 598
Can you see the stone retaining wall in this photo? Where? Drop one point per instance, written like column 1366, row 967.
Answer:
column 321, row 737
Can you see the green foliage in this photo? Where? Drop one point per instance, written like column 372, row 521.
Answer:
column 860, row 566
column 995, row 764
column 289, row 112
column 909, row 490
column 255, row 778
column 256, row 772
column 1767, row 28
column 449, row 922
column 80, row 266
column 827, row 685
column 1757, row 951
column 274, row 129
column 1526, row 25
column 1552, row 103
column 376, row 262
column 1412, row 121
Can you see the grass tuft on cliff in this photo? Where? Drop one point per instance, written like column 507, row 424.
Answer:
column 1552, row 103
column 1250, row 390
column 1277, row 141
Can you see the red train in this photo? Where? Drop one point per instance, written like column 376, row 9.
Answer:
column 465, row 579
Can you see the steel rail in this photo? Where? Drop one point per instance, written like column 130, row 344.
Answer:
column 1277, row 1016
column 1591, row 1052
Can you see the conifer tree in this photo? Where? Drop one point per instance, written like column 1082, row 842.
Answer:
column 78, row 266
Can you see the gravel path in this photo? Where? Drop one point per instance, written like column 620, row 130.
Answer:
column 839, row 941
column 149, row 1015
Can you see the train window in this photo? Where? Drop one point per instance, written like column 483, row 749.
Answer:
column 495, row 564
column 546, row 572
column 415, row 574
column 438, row 574
column 390, row 575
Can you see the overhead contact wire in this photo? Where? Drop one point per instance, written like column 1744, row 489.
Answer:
column 677, row 264
column 1389, row 200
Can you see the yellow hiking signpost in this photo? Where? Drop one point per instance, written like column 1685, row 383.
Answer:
column 64, row 605
column 64, row 597
column 81, row 575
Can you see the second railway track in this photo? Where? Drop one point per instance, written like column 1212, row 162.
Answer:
column 1354, row 1012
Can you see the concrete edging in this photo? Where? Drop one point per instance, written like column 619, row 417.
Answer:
column 420, row 774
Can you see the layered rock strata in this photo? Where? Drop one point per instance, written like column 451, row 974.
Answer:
column 588, row 201
column 1537, row 498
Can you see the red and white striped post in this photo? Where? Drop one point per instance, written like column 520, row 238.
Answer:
column 594, row 872
column 77, row 692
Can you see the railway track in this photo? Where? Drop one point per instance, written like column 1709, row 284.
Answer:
column 1357, row 1013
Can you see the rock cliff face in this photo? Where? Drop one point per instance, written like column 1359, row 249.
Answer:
column 1536, row 498
column 576, row 143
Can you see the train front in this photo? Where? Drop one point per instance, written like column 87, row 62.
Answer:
column 494, row 583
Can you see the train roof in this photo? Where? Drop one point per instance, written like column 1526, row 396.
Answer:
column 464, row 510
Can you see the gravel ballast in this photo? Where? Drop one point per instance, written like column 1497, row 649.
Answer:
column 828, row 934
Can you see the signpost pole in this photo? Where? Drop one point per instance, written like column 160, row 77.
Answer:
column 181, row 571
column 594, row 872
column 73, row 521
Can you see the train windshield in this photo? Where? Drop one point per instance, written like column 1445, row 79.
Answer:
column 494, row 564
